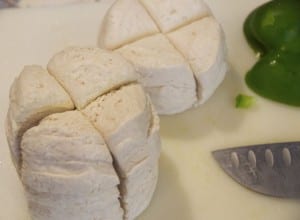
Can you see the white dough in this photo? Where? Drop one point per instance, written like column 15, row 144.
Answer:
column 67, row 170
column 163, row 73
column 125, row 22
column 130, row 127
column 202, row 43
column 98, row 161
column 181, row 66
column 172, row 14
column 87, row 73
column 33, row 95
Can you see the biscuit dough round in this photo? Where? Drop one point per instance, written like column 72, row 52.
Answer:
column 84, row 137
column 179, row 51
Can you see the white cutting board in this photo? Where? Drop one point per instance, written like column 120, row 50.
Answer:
column 191, row 185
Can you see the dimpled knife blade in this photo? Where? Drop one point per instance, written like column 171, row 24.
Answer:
column 270, row 169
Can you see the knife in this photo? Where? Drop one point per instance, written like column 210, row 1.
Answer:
column 269, row 169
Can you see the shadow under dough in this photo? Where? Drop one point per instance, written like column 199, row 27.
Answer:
column 169, row 201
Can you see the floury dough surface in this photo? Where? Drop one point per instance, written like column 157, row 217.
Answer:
column 177, row 47
column 190, row 186
column 161, row 67
column 94, row 159
column 67, row 167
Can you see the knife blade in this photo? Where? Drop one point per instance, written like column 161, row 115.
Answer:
column 270, row 169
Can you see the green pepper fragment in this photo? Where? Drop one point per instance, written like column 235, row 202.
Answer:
column 244, row 101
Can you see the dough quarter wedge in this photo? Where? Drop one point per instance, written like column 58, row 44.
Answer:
column 163, row 73
column 67, row 170
column 133, row 139
column 127, row 21
column 202, row 44
column 172, row 14
column 33, row 95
